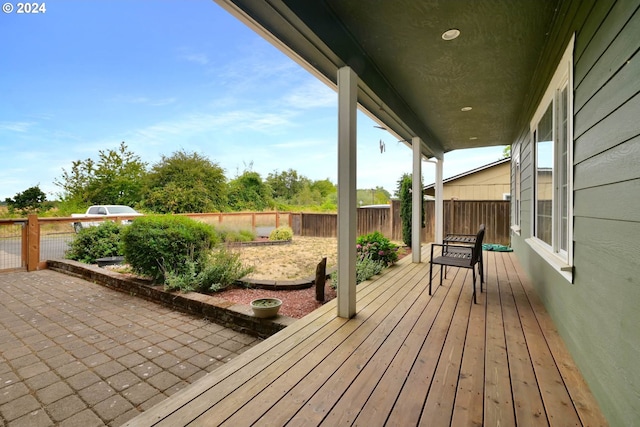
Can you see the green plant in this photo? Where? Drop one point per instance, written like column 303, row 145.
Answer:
column 184, row 281
column 92, row 243
column 155, row 245
column 281, row 233
column 231, row 236
column 221, row 269
column 377, row 247
column 365, row 269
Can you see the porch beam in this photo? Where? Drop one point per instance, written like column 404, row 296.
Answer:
column 416, row 199
column 347, row 108
column 439, row 210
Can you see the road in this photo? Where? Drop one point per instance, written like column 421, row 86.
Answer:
column 52, row 246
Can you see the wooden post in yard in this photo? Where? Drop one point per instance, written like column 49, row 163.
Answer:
column 33, row 243
column 321, row 277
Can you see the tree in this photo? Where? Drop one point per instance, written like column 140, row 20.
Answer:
column 248, row 192
column 115, row 179
column 325, row 187
column 404, row 192
column 185, row 183
column 406, row 206
column 286, row 184
column 373, row 196
column 506, row 152
column 31, row 200
column 118, row 178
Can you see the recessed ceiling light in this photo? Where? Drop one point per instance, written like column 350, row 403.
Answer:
column 450, row 34
column 473, row 138
column 466, row 109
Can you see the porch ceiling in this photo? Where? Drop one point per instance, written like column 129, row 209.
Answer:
column 411, row 80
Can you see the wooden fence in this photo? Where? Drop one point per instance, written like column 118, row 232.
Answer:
column 21, row 245
column 460, row 216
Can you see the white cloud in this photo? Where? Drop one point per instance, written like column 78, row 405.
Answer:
column 16, row 126
column 143, row 100
column 198, row 58
column 312, row 94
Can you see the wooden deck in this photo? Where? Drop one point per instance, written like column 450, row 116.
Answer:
column 407, row 358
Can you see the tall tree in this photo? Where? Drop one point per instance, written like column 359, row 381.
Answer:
column 325, row 187
column 116, row 178
column 249, row 192
column 404, row 192
column 406, row 206
column 286, row 184
column 185, row 182
column 31, row 200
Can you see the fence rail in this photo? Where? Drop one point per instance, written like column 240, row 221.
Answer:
column 26, row 243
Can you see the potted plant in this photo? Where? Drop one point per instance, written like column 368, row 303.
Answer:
column 265, row 307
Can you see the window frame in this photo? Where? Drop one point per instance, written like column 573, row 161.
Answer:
column 559, row 257
column 516, row 199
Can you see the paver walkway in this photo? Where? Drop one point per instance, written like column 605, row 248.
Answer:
column 73, row 353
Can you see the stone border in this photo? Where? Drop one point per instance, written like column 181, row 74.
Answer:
column 283, row 285
column 238, row 317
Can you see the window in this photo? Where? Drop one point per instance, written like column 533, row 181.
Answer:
column 551, row 130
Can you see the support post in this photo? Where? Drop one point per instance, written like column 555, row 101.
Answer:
column 347, row 109
column 439, row 211
column 416, row 200
column 33, row 242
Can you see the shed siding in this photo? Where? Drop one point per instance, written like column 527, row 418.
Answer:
column 598, row 315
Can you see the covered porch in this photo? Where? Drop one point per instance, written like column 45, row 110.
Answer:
column 406, row 358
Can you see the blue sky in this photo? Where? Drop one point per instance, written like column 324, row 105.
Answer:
column 172, row 75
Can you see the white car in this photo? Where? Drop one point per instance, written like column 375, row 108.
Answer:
column 105, row 211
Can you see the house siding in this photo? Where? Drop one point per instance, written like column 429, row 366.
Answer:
column 598, row 315
column 488, row 184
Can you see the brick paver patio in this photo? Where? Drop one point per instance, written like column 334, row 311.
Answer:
column 73, row 353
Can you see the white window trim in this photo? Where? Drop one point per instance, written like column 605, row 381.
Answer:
column 516, row 199
column 560, row 261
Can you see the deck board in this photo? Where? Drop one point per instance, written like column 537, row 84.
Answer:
column 406, row 358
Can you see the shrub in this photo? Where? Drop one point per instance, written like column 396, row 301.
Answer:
column 365, row 269
column 154, row 245
column 281, row 233
column 221, row 269
column 231, row 236
column 92, row 243
column 377, row 247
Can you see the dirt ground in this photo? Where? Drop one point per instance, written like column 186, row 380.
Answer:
column 290, row 261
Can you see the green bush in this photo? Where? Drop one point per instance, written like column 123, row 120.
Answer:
column 92, row 243
column 155, row 245
column 281, row 233
column 221, row 269
column 365, row 269
column 232, row 236
column 377, row 247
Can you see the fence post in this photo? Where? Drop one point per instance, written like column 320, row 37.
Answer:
column 277, row 219
column 33, row 242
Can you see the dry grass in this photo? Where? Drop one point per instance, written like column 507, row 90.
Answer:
column 292, row 261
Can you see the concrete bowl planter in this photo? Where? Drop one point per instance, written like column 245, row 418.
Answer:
column 265, row 307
